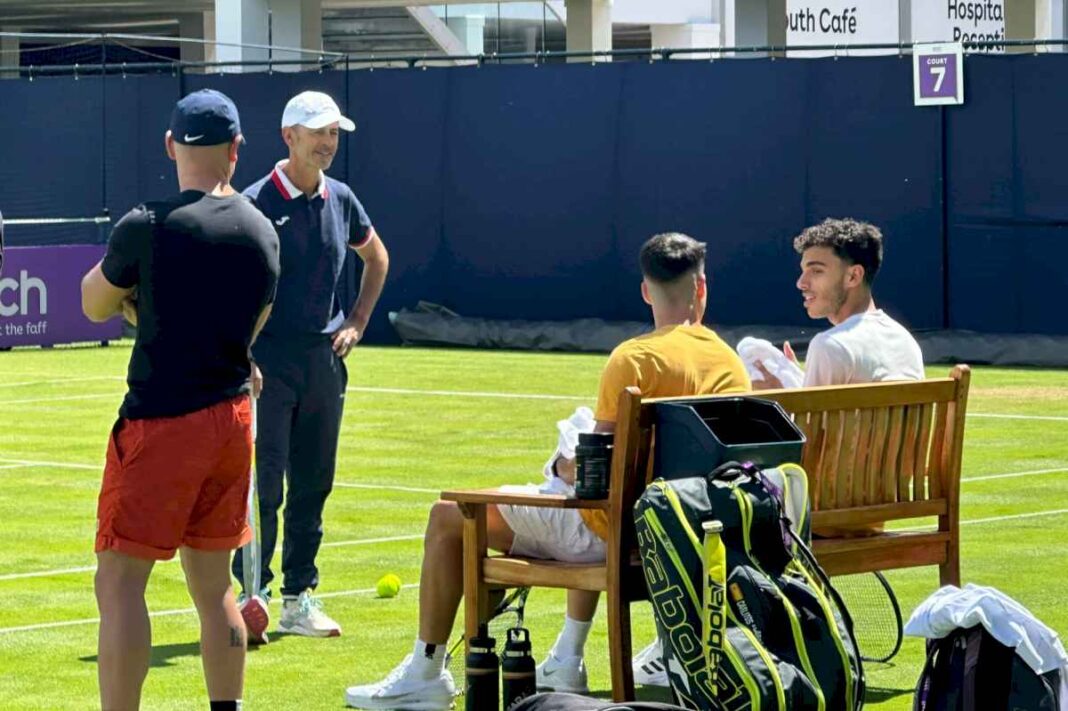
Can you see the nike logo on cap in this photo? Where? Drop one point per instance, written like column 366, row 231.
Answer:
column 282, row 220
column 193, row 139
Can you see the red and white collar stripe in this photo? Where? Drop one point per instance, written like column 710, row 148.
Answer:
column 288, row 189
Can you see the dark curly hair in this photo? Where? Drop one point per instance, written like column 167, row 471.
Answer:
column 668, row 256
column 853, row 241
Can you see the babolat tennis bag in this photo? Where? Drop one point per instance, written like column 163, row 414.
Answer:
column 969, row 670
column 746, row 617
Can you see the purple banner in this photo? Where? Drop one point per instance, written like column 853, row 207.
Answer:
column 41, row 297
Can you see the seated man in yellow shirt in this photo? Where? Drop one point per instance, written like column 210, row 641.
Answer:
column 681, row 357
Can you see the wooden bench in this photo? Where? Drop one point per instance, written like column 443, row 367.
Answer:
column 874, row 453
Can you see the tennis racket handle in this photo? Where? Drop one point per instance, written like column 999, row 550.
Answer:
column 714, row 610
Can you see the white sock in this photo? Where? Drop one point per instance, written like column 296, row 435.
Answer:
column 572, row 639
column 427, row 660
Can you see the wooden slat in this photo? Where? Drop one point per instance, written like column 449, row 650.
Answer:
column 828, row 470
column 919, row 479
column 497, row 496
column 873, row 473
column 815, row 435
column 850, row 397
column 847, row 456
column 884, row 552
column 908, row 454
column 891, row 457
column 877, row 513
column 860, row 462
column 530, row 572
column 936, row 464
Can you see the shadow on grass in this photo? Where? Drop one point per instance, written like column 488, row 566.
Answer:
column 163, row 655
column 877, row 694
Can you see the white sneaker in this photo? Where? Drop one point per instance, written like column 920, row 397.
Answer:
column 648, row 666
column 568, row 675
column 401, row 691
column 304, row 616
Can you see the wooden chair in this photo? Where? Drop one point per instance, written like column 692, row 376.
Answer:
column 620, row 576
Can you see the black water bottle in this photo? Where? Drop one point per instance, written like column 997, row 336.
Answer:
column 483, row 672
column 593, row 462
column 517, row 668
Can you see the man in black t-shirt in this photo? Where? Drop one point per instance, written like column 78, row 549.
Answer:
column 197, row 273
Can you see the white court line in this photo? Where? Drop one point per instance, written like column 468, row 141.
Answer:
column 483, row 394
column 1033, row 472
column 48, row 573
column 996, row 416
column 370, row 541
column 170, row 613
column 92, row 568
column 469, row 393
column 991, row 519
column 61, row 465
column 64, row 398
column 12, row 463
column 388, row 487
column 63, row 381
column 1011, row 517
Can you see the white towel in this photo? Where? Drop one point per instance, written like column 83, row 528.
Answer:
column 757, row 350
column 1006, row 620
column 581, row 420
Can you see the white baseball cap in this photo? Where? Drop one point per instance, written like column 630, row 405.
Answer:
column 314, row 109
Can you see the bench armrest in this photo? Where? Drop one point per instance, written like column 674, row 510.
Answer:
column 497, row 496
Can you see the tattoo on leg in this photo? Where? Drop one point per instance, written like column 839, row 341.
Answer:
column 237, row 636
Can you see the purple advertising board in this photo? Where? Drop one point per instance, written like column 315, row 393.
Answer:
column 41, row 298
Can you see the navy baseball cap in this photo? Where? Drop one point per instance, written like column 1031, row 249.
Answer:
column 205, row 118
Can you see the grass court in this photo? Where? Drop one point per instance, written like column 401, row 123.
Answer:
column 418, row 421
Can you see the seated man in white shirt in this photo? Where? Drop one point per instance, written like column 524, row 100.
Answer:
column 839, row 262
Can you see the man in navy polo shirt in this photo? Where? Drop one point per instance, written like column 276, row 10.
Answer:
column 302, row 349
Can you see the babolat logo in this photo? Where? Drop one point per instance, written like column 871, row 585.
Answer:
column 678, row 616
column 21, row 289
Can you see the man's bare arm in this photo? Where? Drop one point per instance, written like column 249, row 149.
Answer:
column 375, row 267
column 100, row 298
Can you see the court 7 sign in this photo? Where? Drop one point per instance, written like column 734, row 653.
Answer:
column 938, row 74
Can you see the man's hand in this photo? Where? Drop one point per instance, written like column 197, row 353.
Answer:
column 129, row 308
column 256, row 379
column 346, row 338
column 770, row 382
column 565, row 469
column 788, row 351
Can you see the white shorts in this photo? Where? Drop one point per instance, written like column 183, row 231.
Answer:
column 552, row 534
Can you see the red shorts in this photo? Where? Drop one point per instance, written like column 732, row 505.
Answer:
column 177, row 481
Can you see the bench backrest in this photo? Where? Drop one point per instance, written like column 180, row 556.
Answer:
column 883, row 451
column 874, row 452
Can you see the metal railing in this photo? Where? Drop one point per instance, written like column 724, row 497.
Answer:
column 335, row 60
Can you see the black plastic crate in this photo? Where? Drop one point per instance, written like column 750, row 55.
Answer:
column 693, row 437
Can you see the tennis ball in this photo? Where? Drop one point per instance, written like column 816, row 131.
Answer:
column 388, row 585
